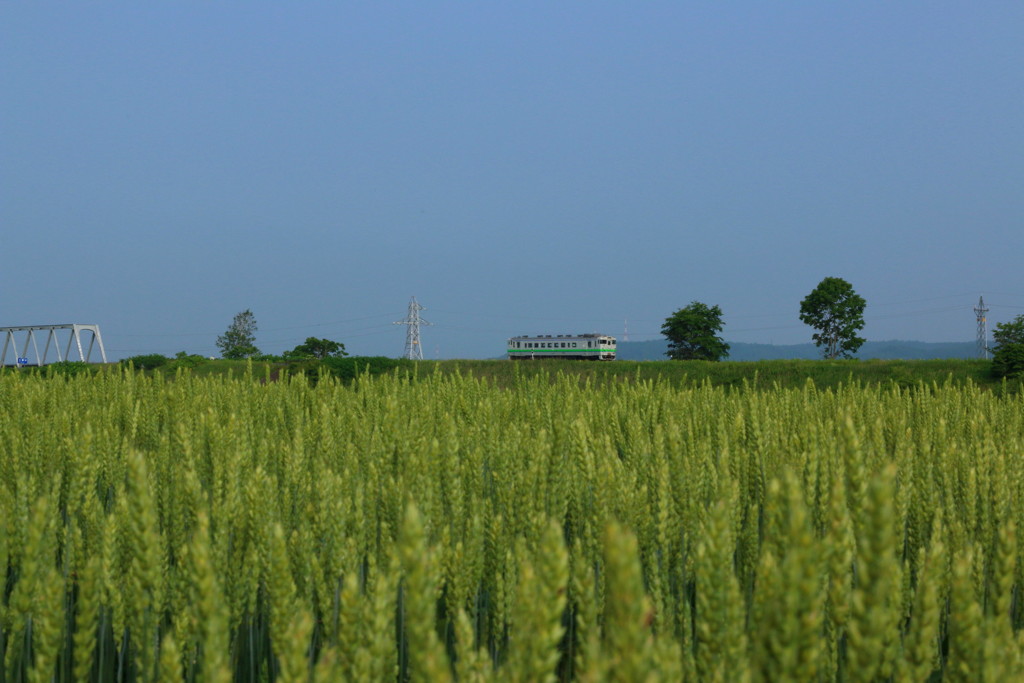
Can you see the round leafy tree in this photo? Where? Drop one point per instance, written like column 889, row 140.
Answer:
column 1008, row 359
column 837, row 312
column 316, row 348
column 692, row 333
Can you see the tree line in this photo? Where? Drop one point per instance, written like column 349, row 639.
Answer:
column 239, row 342
column 836, row 313
column 833, row 309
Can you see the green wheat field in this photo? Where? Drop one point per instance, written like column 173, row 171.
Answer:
column 443, row 526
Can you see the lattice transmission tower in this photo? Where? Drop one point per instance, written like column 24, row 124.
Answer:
column 980, row 310
column 413, row 347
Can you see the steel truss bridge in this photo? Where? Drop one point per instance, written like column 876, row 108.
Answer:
column 29, row 336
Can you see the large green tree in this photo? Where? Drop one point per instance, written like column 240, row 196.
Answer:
column 837, row 312
column 1008, row 359
column 239, row 341
column 692, row 333
column 316, row 348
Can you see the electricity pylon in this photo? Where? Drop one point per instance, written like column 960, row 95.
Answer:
column 980, row 310
column 413, row 347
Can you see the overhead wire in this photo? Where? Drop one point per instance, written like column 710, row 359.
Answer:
column 586, row 322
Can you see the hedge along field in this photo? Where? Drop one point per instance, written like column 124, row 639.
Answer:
column 442, row 528
column 792, row 374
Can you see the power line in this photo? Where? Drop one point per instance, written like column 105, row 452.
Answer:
column 335, row 322
column 272, row 329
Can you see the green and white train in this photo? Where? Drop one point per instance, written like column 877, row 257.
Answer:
column 571, row 346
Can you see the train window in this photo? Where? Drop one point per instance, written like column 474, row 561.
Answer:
column 574, row 345
column 588, row 345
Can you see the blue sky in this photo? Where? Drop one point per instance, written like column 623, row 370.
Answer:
column 521, row 168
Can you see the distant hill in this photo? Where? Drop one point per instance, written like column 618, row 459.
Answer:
column 883, row 350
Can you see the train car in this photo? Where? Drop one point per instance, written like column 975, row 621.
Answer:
column 571, row 346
